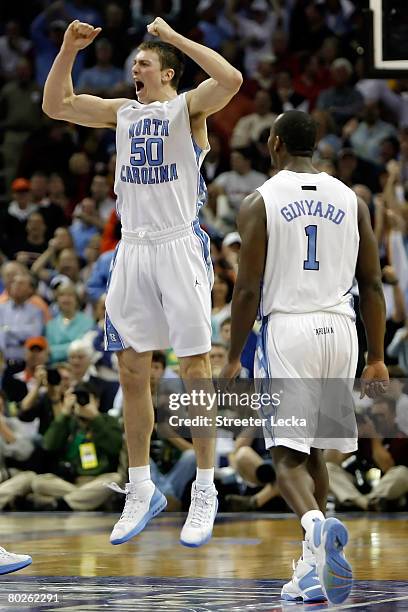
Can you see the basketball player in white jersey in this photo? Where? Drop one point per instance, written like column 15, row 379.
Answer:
column 161, row 277
column 304, row 237
column 11, row 562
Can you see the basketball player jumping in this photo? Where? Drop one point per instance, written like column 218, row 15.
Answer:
column 305, row 235
column 154, row 300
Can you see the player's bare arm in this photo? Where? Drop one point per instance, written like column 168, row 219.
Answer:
column 60, row 100
column 245, row 300
column 214, row 93
column 372, row 305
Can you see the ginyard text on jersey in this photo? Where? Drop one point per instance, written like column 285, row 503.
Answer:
column 314, row 209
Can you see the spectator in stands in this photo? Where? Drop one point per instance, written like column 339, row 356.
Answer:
column 247, row 130
column 350, row 170
column 218, row 358
column 212, row 30
column 19, row 319
column 311, row 79
column 68, row 265
column 342, row 100
column 14, row 217
column 328, row 144
column 397, row 391
column 9, row 270
column 103, row 78
column 395, row 304
column 231, row 246
column 214, row 162
column 221, row 304
column 236, row 184
column 86, row 224
column 381, row 445
column 45, row 266
column 255, row 31
column 100, row 193
column 97, row 282
column 308, row 27
column 14, row 444
column 398, row 348
column 20, row 107
column 13, row 47
column 36, row 355
column 86, row 445
column 91, row 254
column 338, row 16
column 57, row 194
column 115, row 30
column 389, row 150
column 33, row 242
column 47, row 32
column 81, row 358
column 106, row 365
column 263, row 78
column 366, row 136
column 253, row 464
column 45, row 394
column 53, row 214
column 284, row 97
column 70, row 324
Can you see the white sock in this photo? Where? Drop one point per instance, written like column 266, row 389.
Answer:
column 139, row 474
column 308, row 519
column 307, row 554
column 204, row 478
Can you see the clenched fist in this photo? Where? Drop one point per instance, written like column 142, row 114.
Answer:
column 160, row 28
column 79, row 35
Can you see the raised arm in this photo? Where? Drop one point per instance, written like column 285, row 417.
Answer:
column 60, row 100
column 214, row 93
column 372, row 304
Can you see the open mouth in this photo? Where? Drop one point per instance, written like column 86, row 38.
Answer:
column 139, row 86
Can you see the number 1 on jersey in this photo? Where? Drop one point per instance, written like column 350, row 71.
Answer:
column 311, row 263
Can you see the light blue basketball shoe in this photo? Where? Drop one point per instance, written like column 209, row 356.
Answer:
column 10, row 562
column 334, row 571
column 143, row 502
column 305, row 584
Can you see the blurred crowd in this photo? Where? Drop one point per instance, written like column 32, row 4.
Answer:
column 61, row 434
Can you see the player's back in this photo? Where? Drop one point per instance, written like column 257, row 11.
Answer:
column 312, row 229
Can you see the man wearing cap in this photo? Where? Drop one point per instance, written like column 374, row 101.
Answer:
column 13, row 220
column 230, row 249
column 35, row 356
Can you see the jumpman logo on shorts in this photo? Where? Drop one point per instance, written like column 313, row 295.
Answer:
column 197, row 283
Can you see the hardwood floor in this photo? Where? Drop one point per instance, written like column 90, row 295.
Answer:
column 241, row 568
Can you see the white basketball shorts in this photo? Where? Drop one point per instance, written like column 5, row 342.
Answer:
column 159, row 292
column 310, row 361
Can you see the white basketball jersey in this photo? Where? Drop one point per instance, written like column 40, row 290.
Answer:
column 313, row 240
column 157, row 182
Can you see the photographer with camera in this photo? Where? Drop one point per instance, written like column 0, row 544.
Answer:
column 86, row 446
column 44, row 399
column 381, row 445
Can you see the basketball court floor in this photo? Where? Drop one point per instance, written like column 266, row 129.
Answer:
column 241, row 569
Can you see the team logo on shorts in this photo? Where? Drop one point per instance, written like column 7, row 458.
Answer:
column 113, row 338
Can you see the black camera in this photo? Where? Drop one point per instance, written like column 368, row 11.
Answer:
column 53, row 376
column 82, row 396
